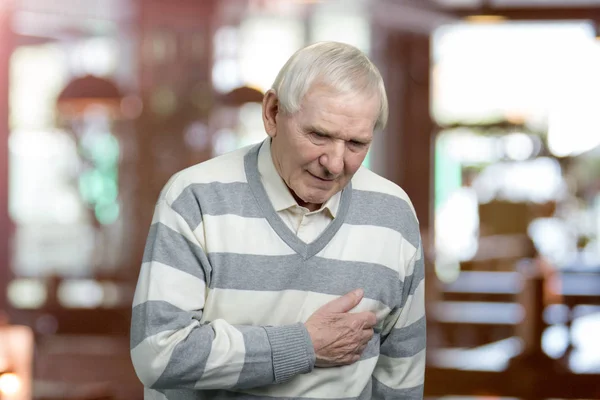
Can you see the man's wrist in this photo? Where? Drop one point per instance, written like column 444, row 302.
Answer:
column 292, row 351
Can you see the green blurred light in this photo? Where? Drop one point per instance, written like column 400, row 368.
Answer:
column 91, row 185
column 97, row 186
column 107, row 213
column 447, row 171
column 111, row 172
column 106, row 151
column 109, row 194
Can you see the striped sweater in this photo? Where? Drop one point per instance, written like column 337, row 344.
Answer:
column 225, row 287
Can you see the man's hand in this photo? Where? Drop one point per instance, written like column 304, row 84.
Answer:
column 340, row 337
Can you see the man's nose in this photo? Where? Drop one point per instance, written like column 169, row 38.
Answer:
column 333, row 159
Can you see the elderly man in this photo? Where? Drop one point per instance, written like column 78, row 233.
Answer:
column 285, row 270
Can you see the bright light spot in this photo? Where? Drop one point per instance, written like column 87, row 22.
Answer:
column 447, row 271
column 98, row 56
column 225, row 75
column 43, row 162
column 259, row 36
column 456, row 225
column 553, row 238
column 573, row 130
column 583, row 338
column 520, row 69
column 37, row 75
column 554, row 340
column 78, row 293
column 10, row 384
column 470, row 148
column 26, row 293
column 573, row 123
column 518, row 146
column 537, row 180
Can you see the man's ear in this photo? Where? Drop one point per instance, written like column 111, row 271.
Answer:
column 270, row 109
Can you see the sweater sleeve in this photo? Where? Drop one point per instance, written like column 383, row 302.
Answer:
column 171, row 348
column 400, row 370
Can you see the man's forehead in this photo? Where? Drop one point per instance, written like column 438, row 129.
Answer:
column 327, row 115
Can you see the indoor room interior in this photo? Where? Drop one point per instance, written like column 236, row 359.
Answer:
column 493, row 132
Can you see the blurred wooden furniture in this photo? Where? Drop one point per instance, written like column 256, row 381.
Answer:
column 50, row 390
column 499, row 253
column 468, row 324
column 575, row 287
column 480, row 307
column 517, row 366
column 85, row 367
column 485, row 371
column 486, row 286
column 81, row 353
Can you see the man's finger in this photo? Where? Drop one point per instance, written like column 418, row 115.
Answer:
column 344, row 303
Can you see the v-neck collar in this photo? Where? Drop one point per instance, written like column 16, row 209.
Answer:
column 305, row 250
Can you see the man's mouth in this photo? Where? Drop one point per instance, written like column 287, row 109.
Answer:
column 321, row 179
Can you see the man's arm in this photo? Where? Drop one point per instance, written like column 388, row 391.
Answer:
column 171, row 348
column 400, row 370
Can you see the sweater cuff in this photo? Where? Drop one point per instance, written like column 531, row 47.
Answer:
column 292, row 351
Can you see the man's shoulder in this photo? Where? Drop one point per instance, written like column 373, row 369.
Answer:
column 368, row 181
column 223, row 169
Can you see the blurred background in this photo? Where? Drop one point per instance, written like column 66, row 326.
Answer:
column 494, row 133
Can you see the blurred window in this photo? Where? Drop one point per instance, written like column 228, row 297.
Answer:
column 539, row 75
column 63, row 185
column 52, row 233
column 511, row 70
column 346, row 22
column 225, row 72
column 266, row 44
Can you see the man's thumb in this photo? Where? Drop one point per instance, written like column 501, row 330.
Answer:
column 345, row 303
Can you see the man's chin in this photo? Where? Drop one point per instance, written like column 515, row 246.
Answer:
column 313, row 195
column 311, row 198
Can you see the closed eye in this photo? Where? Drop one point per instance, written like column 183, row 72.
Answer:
column 319, row 137
column 357, row 143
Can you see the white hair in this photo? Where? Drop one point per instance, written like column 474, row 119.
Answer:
column 341, row 66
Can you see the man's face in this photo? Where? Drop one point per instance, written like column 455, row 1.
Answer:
column 318, row 149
